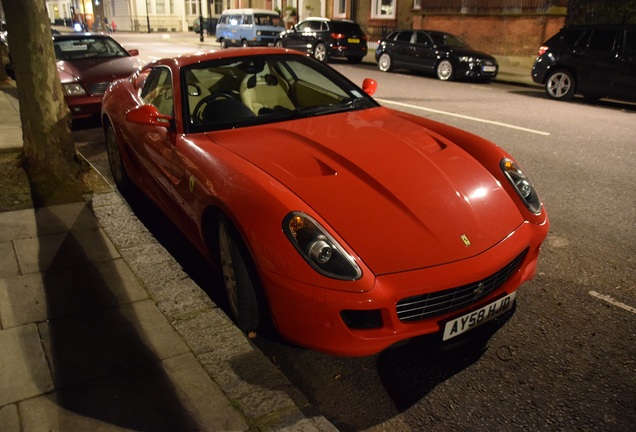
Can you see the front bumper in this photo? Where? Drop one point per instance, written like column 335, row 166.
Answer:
column 314, row 317
column 84, row 106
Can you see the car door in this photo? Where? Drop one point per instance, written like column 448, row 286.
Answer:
column 423, row 53
column 156, row 143
column 401, row 50
column 598, row 62
column 625, row 77
column 294, row 36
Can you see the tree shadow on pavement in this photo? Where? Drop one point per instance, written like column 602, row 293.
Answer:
column 102, row 368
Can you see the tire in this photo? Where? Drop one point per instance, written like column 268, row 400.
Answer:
column 115, row 160
column 320, row 52
column 355, row 59
column 560, row 85
column 223, row 43
column 238, row 278
column 244, row 43
column 385, row 62
column 279, row 44
column 445, row 70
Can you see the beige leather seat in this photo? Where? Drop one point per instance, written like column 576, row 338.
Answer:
column 263, row 90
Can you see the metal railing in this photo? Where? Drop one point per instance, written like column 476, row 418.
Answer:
column 488, row 6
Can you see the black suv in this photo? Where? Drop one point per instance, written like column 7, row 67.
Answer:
column 596, row 61
column 324, row 38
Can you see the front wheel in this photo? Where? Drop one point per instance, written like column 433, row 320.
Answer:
column 279, row 44
column 239, row 278
column 244, row 43
column 560, row 85
column 320, row 52
column 445, row 70
column 223, row 43
column 115, row 160
column 385, row 63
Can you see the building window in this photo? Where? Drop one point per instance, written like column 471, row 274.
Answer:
column 341, row 8
column 192, row 7
column 382, row 9
column 417, row 4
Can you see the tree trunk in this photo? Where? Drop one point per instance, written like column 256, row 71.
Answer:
column 49, row 150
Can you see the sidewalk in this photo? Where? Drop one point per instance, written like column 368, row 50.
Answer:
column 101, row 330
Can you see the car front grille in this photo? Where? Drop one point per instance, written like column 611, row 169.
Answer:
column 438, row 303
column 98, row 88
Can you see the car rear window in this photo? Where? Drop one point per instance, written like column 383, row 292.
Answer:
column 344, row 27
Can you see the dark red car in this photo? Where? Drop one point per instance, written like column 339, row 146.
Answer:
column 87, row 64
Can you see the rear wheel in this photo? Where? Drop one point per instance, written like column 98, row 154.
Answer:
column 279, row 44
column 385, row 62
column 445, row 70
column 115, row 161
column 320, row 52
column 239, row 278
column 560, row 85
column 223, row 43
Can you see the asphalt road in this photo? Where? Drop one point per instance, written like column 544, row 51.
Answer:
column 566, row 358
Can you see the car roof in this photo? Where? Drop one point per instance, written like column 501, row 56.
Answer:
column 71, row 36
column 217, row 54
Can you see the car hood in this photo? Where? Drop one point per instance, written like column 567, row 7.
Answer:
column 98, row 69
column 401, row 196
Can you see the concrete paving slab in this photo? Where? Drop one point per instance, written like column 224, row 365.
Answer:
column 99, row 343
column 39, row 297
column 24, row 372
column 56, row 251
column 9, row 419
column 174, row 395
column 47, row 220
column 8, row 260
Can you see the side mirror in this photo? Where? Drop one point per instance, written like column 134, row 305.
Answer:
column 148, row 115
column 369, row 86
column 133, row 52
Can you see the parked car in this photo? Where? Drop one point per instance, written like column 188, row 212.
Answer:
column 595, row 61
column 248, row 27
column 324, row 38
column 434, row 52
column 87, row 64
column 347, row 225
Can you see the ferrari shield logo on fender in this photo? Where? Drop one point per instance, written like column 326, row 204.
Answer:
column 465, row 240
column 191, row 183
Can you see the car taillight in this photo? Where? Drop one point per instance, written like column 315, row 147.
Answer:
column 337, row 36
column 542, row 50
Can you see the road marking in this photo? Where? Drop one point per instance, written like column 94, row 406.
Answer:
column 611, row 301
column 534, row 131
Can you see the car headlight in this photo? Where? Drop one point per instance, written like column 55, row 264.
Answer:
column 466, row 59
column 74, row 89
column 319, row 248
column 522, row 185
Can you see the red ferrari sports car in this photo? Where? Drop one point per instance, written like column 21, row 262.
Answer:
column 348, row 225
column 87, row 64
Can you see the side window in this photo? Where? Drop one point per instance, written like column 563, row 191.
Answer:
column 404, row 36
column 248, row 20
column 303, row 26
column 422, row 39
column 602, row 41
column 157, row 90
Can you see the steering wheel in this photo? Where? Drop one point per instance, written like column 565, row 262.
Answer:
column 198, row 109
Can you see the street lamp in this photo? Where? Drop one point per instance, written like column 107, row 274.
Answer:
column 200, row 22
column 147, row 16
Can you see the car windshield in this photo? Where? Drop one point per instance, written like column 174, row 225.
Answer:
column 87, row 47
column 251, row 90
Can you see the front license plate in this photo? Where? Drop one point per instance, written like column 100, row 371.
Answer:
column 489, row 68
column 480, row 316
column 352, row 40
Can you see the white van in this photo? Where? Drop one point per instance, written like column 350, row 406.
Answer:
column 248, row 27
